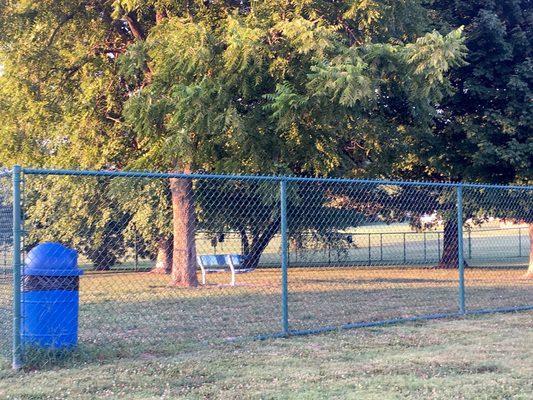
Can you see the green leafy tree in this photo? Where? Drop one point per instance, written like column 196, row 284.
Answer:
column 78, row 213
column 274, row 88
column 482, row 132
column 285, row 86
column 61, row 102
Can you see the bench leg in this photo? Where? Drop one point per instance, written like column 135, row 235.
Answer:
column 232, row 268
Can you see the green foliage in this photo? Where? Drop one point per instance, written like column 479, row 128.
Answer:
column 79, row 213
column 285, row 86
column 432, row 56
column 483, row 132
column 219, row 85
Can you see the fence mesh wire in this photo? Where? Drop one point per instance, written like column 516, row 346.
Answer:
column 6, row 288
column 497, row 261
column 380, row 268
column 158, row 253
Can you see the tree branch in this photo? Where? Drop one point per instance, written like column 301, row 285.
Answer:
column 135, row 28
column 62, row 22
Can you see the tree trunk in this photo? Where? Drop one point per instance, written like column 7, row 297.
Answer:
column 245, row 246
column 102, row 258
column 163, row 263
column 449, row 258
column 259, row 244
column 101, row 267
column 184, row 225
column 529, row 273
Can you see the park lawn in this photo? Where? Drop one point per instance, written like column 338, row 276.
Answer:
column 122, row 314
column 486, row 357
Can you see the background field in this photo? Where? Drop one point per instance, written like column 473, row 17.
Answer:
column 491, row 244
column 485, row 357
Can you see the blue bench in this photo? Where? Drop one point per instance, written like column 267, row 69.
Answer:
column 221, row 263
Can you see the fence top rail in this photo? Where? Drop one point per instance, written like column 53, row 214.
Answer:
column 274, row 178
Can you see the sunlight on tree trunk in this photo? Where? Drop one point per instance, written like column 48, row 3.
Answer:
column 184, row 224
column 163, row 264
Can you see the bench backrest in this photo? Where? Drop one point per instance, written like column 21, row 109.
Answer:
column 221, row 260
column 213, row 261
column 236, row 259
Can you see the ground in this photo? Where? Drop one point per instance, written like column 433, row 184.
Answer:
column 128, row 312
column 140, row 337
column 484, row 357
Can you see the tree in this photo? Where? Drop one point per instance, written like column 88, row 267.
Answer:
column 252, row 209
column 270, row 89
column 508, row 205
column 303, row 87
column 79, row 213
column 482, row 131
column 148, row 202
column 60, row 100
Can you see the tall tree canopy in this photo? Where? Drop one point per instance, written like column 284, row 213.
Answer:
column 300, row 86
column 483, row 131
column 136, row 83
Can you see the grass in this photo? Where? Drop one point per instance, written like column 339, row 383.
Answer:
column 121, row 314
column 485, row 357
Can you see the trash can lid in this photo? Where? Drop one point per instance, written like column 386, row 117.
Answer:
column 52, row 259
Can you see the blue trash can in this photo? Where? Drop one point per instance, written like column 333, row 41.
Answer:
column 50, row 297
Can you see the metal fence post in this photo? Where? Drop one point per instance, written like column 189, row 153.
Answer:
column 17, row 265
column 425, row 248
column 460, row 260
column 438, row 245
column 469, row 244
column 136, row 259
column 284, row 258
column 381, row 247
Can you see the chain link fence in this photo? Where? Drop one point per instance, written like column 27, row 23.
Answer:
column 173, row 261
column 6, row 288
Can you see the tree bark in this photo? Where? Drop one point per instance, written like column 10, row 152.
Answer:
column 529, row 273
column 184, row 226
column 101, row 267
column 102, row 258
column 163, row 264
column 259, row 243
column 134, row 26
column 245, row 246
column 449, row 258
